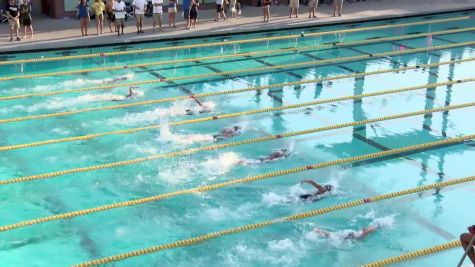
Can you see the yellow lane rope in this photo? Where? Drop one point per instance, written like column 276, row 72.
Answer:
column 230, row 115
column 220, row 146
column 299, row 216
column 415, row 254
column 233, row 182
column 266, row 52
column 293, row 36
column 149, row 102
column 232, row 72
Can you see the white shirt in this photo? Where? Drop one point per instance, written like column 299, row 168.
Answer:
column 157, row 9
column 219, row 2
column 119, row 6
column 141, row 6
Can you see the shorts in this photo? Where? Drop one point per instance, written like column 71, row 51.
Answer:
column 172, row 10
column 193, row 15
column 313, row 4
column 26, row 22
column 139, row 16
column 14, row 23
column 110, row 16
column 294, row 3
column 120, row 21
column 219, row 8
column 186, row 13
column 157, row 16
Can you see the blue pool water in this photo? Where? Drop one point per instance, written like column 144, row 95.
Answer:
column 408, row 223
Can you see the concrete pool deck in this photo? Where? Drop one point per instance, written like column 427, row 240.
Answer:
column 63, row 33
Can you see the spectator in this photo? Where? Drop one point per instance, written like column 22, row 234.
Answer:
column 186, row 12
column 119, row 14
column 83, row 16
column 139, row 11
column 266, row 9
column 312, row 8
column 220, row 10
column 233, row 8
column 110, row 14
column 338, row 7
column 294, row 8
column 193, row 13
column 98, row 10
column 13, row 14
column 157, row 14
column 171, row 13
column 25, row 15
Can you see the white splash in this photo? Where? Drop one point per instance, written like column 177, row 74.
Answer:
column 74, row 83
column 177, row 109
column 182, row 139
column 222, row 164
column 384, row 222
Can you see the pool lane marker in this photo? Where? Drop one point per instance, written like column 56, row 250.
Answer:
column 225, row 43
column 415, row 254
column 222, row 146
column 299, row 216
column 359, row 74
column 211, row 187
column 282, row 67
column 231, row 115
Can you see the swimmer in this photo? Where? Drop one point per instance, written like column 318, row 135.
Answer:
column 203, row 108
column 348, row 234
column 321, row 191
column 130, row 95
column 116, row 79
column 282, row 153
column 228, row 133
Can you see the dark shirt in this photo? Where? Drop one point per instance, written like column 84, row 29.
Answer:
column 82, row 11
column 25, row 11
column 13, row 10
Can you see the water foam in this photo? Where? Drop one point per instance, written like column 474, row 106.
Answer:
column 222, row 164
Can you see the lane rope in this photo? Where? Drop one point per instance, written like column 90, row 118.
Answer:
column 245, row 54
column 240, row 71
column 299, row 216
column 218, row 146
column 211, row 187
column 230, row 115
column 415, row 254
column 223, row 43
column 218, row 93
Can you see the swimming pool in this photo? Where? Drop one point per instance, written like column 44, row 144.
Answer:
column 429, row 60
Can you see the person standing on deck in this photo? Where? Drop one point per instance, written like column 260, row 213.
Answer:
column 338, row 7
column 139, row 11
column 220, row 10
column 98, row 8
column 294, row 8
column 83, row 16
column 119, row 13
column 312, row 8
column 186, row 12
column 157, row 14
column 110, row 14
column 25, row 15
column 172, row 13
column 13, row 14
column 266, row 9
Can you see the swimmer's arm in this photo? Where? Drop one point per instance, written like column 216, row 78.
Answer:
column 366, row 231
column 320, row 188
column 322, row 232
